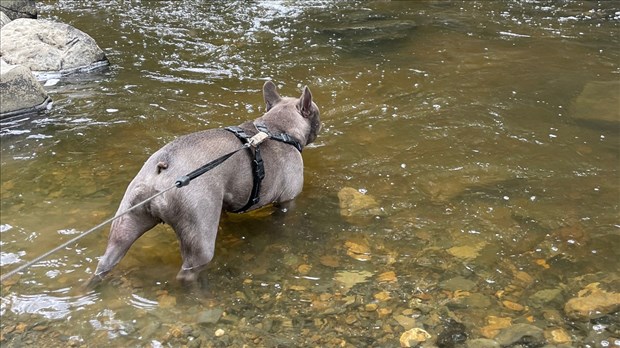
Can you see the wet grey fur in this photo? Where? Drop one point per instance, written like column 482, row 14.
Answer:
column 194, row 211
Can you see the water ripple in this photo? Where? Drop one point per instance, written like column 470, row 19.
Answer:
column 47, row 305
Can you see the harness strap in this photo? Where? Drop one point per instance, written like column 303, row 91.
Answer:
column 258, row 166
column 281, row 137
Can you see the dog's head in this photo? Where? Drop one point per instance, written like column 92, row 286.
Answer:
column 301, row 114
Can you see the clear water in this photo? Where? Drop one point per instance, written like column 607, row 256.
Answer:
column 461, row 118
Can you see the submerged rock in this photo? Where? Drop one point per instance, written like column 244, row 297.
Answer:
column 210, row 316
column 356, row 204
column 598, row 102
column 20, row 90
column 449, row 185
column 592, row 302
column 49, row 47
column 524, row 334
column 454, row 334
column 373, row 31
column 546, row 296
column 413, row 337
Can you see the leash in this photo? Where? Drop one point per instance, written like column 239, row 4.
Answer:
column 180, row 182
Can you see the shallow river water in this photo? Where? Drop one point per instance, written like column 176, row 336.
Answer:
column 484, row 134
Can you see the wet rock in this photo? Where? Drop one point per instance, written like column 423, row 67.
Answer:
column 476, row 300
column 547, row 296
column 524, row 334
column 452, row 335
column 330, row 261
column 21, row 91
column 513, row 306
column 557, row 336
column 49, row 47
column 354, row 204
column 359, row 250
column 482, row 343
column 494, row 325
column 451, row 184
column 387, row 277
column 4, row 19
column 458, row 283
column 164, row 300
column 210, row 316
column 19, row 9
column 598, row 102
column 407, row 322
column 413, row 337
column 592, row 302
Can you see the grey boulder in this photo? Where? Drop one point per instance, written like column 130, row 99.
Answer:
column 48, row 47
column 20, row 92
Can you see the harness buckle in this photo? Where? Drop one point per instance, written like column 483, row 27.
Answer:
column 257, row 139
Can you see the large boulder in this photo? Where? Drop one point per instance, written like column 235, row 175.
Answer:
column 19, row 8
column 20, row 92
column 48, row 47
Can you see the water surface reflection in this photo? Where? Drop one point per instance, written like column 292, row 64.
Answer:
column 496, row 191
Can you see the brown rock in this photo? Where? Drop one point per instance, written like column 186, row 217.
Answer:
column 592, row 301
column 356, row 204
column 413, row 337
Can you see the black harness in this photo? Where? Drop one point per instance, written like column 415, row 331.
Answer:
column 258, row 167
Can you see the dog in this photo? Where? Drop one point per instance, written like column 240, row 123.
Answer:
column 194, row 211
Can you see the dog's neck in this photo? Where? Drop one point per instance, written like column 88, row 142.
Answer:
column 284, row 122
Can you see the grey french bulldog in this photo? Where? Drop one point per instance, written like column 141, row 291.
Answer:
column 194, row 211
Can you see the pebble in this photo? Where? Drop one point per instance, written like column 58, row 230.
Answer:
column 413, row 337
column 219, row 333
column 513, row 306
column 521, row 333
column 387, row 277
column 482, row 343
column 210, row 316
column 557, row 336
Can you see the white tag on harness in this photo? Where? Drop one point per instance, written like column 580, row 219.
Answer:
column 258, row 138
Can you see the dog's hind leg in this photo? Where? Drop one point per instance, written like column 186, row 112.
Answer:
column 197, row 232
column 123, row 233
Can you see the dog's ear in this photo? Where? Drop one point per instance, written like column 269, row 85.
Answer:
column 305, row 103
column 270, row 94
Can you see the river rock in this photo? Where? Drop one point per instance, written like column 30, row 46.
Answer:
column 49, row 47
column 547, row 296
column 353, row 204
column 525, row 334
column 598, row 102
column 4, row 19
column 19, row 8
column 458, row 283
column 210, row 316
column 413, row 337
column 591, row 302
column 21, row 91
column 454, row 334
column 448, row 185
